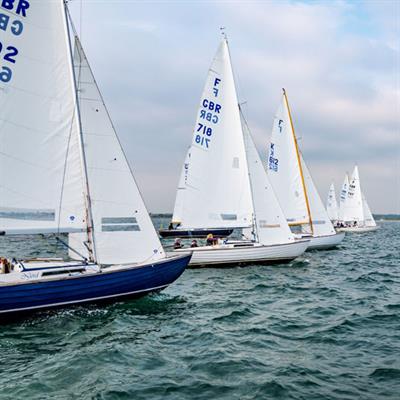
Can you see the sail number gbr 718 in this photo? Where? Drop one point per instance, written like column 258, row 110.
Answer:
column 209, row 117
column 11, row 12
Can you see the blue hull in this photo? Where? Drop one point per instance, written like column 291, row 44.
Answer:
column 195, row 233
column 106, row 286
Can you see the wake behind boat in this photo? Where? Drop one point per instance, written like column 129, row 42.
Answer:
column 62, row 170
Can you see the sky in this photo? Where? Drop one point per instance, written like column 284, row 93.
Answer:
column 339, row 62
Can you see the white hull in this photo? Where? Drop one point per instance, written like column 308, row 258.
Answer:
column 325, row 242
column 241, row 254
column 359, row 229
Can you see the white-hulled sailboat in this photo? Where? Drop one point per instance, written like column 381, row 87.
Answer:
column 225, row 182
column 356, row 215
column 332, row 205
column 63, row 171
column 294, row 186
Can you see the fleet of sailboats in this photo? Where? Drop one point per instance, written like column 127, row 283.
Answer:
column 354, row 213
column 63, row 172
column 226, row 184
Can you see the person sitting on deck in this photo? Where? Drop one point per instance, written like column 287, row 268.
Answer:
column 178, row 244
column 170, row 226
column 211, row 241
column 194, row 243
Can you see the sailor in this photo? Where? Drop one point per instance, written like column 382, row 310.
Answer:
column 210, row 240
column 194, row 243
column 170, row 226
column 177, row 244
column 5, row 266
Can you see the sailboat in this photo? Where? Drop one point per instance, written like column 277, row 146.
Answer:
column 225, row 182
column 357, row 216
column 294, row 186
column 63, row 171
column 331, row 205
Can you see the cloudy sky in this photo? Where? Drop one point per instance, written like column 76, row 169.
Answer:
column 338, row 60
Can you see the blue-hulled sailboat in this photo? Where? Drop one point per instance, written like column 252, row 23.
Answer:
column 63, row 171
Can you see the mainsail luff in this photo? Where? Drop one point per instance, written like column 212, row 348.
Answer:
column 299, row 161
column 89, row 242
column 343, row 197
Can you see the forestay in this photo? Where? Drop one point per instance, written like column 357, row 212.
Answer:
column 123, row 231
column 41, row 185
column 353, row 210
column 331, row 204
column 322, row 225
column 214, row 190
column 270, row 226
column 284, row 168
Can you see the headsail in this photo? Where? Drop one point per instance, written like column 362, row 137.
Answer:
column 285, row 170
column 331, row 204
column 123, row 231
column 41, row 186
column 270, row 224
column 343, row 197
column 215, row 191
column 353, row 210
column 368, row 217
column 322, row 224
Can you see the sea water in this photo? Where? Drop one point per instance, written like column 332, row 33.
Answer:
column 326, row 326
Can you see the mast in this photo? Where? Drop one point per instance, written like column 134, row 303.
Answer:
column 298, row 161
column 89, row 216
column 253, row 214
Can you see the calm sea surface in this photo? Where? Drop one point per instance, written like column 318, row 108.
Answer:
column 324, row 327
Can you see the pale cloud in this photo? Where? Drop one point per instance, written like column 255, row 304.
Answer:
column 338, row 60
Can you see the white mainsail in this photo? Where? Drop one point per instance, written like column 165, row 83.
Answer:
column 353, row 207
column 322, row 225
column 285, row 170
column 214, row 190
column 41, row 184
column 331, row 204
column 343, row 197
column 269, row 224
column 368, row 217
column 123, row 231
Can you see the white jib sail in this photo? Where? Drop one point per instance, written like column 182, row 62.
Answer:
column 331, row 204
column 284, row 168
column 368, row 217
column 353, row 210
column 343, row 197
column 270, row 223
column 41, row 186
column 322, row 225
column 123, row 230
column 215, row 191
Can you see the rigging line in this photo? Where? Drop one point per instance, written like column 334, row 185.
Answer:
column 58, row 239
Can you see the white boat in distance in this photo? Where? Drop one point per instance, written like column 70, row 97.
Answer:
column 226, row 173
column 294, row 186
column 332, row 205
column 355, row 213
column 63, row 171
